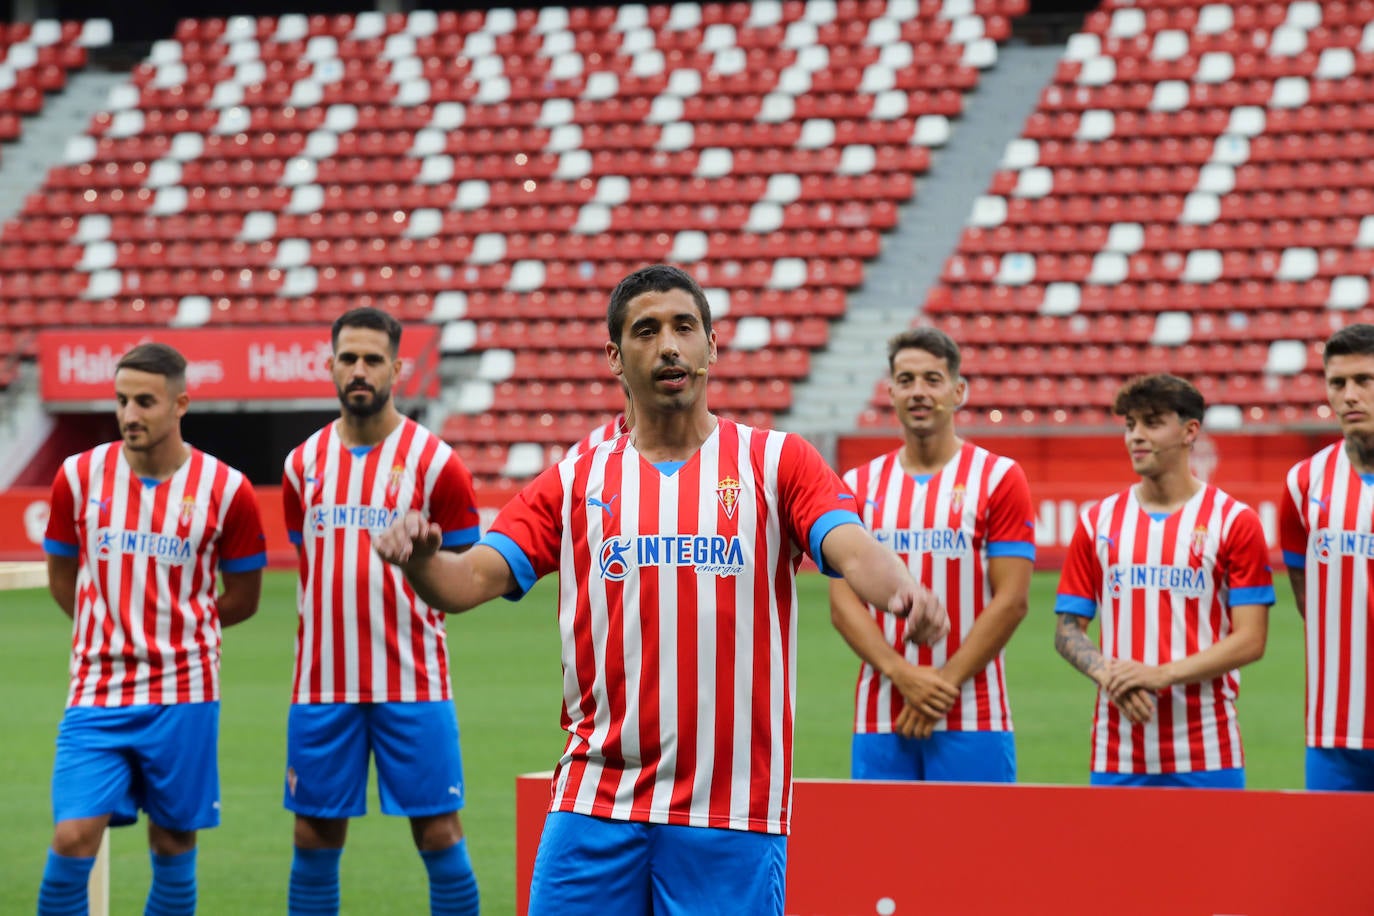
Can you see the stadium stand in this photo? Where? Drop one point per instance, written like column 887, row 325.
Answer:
column 35, row 58
column 1194, row 193
column 497, row 171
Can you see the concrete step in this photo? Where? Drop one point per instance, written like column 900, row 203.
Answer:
column 928, row 231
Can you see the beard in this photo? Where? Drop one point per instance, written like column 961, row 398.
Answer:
column 368, row 408
column 147, row 444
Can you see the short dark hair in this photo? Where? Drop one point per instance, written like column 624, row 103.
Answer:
column 371, row 318
column 933, row 340
column 1155, row 394
column 658, row 278
column 156, row 359
column 1351, row 340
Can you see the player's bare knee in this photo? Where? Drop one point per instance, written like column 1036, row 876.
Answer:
column 80, row 837
column 320, row 832
column 438, row 832
column 167, row 842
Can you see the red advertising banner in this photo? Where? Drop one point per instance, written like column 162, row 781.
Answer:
column 985, row 850
column 223, row 364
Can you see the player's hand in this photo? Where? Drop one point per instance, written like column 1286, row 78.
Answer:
column 925, row 689
column 410, row 537
column 911, row 724
column 1136, row 705
column 1123, row 675
column 926, row 620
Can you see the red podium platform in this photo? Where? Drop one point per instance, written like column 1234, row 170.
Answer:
column 896, row 849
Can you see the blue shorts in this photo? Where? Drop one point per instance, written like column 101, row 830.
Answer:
column 589, row 866
column 943, row 757
column 1340, row 769
column 1231, row 778
column 419, row 765
column 115, row 760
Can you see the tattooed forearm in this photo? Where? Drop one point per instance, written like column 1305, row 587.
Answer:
column 1071, row 641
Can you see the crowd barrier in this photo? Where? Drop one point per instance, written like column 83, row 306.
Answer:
column 899, row 849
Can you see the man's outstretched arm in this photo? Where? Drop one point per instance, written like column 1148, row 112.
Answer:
column 446, row 581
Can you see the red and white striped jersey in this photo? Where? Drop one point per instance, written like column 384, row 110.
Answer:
column 677, row 611
column 607, row 430
column 946, row 527
column 1326, row 529
column 146, row 630
column 1165, row 589
column 364, row 636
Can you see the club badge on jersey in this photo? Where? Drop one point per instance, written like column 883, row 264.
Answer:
column 727, row 491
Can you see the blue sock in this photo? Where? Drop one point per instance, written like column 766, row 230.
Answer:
column 63, row 891
column 314, row 882
column 452, row 885
column 173, row 891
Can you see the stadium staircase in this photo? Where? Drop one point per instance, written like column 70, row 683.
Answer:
column 927, row 232
column 24, row 163
column 1195, row 193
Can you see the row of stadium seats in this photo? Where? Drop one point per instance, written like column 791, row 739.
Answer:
column 594, row 19
column 35, row 58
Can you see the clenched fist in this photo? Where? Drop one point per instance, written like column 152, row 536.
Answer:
column 410, row 537
column 926, row 619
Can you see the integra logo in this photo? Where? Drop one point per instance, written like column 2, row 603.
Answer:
column 1187, row 581
column 1328, row 544
column 165, row 548
column 708, row 554
column 370, row 518
column 939, row 542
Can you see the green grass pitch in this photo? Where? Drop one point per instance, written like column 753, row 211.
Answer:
column 507, row 685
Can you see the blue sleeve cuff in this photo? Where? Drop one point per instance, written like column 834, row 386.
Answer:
column 244, row 564
column 60, row 548
column 1294, row 560
column 1076, row 605
column 1255, row 594
column 295, row 538
column 461, row 537
column 515, row 558
column 1023, row 549
column 823, row 526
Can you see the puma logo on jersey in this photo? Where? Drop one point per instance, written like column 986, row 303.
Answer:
column 608, row 507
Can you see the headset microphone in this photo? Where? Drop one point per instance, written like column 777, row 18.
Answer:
column 701, row 370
